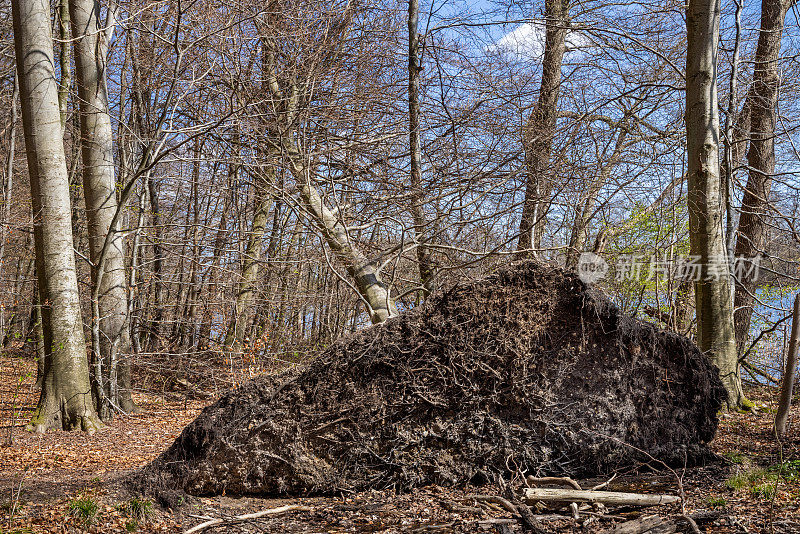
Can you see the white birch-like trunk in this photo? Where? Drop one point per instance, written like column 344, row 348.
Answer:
column 713, row 306
column 99, row 184
column 66, row 400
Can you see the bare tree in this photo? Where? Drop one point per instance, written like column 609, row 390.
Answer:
column 714, row 309
column 540, row 130
column 65, row 400
column 762, row 101
column 426, row 271
column 111, row 341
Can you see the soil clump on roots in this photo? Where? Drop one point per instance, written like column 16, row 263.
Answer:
column 525, row 371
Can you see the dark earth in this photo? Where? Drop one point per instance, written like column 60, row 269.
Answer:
column 525, row 372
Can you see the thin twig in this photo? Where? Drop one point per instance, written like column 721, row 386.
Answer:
column 248, row 517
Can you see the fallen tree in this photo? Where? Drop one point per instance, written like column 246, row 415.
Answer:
column 525, row 371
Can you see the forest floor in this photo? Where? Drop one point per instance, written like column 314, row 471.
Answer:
column 72, row 482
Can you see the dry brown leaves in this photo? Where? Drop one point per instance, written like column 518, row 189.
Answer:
column 43, row 477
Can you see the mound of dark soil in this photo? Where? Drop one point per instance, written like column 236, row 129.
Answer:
column 527, row 370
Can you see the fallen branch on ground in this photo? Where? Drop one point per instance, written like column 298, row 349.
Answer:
column 247, row 517
column 614, row 498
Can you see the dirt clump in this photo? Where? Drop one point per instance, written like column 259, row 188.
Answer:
column 525, row 371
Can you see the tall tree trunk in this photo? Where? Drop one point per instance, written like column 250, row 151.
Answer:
column 158, row 263
column 706, row 236
column 363, row 271
column 728, row 166
column 538, row 134
column 250, row 264
column 99, row 185
column 417, row 213
column 65, row 400
column 8, row 188
column 63, row 60
column 134, row 280
column 751, row 238
column 789, row 373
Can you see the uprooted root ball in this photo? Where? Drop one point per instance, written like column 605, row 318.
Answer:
column 525, row 371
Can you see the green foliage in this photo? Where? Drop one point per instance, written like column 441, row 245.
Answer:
column 646, row 234
column 761, row 483
column 138, row 508
column 748, row 478
column 736, row 482
column 716, row 501
column 763, row 491
column 83, row 508
column 789, row 470
column 735, row 457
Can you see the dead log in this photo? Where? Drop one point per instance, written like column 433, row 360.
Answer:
column 612, row 498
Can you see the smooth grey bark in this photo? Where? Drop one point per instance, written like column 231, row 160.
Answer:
column 133, row 276
column 789, row 373
column 65, row 400
column 728, row 167
column 423, row 252
column 8, row 188
column 540, row 130
column 363, row 271
column 713, row 306
column 111, row 341
column 63, row 60
column 751, row 238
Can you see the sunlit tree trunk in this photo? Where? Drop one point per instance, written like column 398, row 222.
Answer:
column 99, row 185
column 424, row 263
column 65, row 84
column 540, row 130
column 751, row 237
column 789, row 373
column 250, row 264
column 713, row 304
column 66, row 400
column 363, row 272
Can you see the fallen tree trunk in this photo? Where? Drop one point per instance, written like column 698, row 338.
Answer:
column 610, row 498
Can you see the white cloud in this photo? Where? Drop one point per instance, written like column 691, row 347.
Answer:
column 526, row 41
